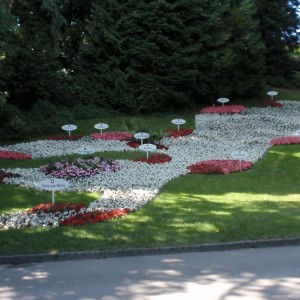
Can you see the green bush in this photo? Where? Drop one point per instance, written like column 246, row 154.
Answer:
column 12, row 120
column 46, row 117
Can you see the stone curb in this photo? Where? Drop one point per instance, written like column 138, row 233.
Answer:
column 64, row 256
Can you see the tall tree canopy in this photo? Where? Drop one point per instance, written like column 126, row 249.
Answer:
column 143, row 55
column 279, row 25
column 149, row 55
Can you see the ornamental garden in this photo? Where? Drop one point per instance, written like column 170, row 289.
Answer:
column 127, row 185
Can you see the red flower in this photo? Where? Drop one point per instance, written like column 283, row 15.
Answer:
column 59, row 207
column 156, row 159
column 289, row 140
column 137, row 144
column 271, row 103
column 133, row 144
column 94, row 217
column 116, row 136
column 14, row 155
column 226, row 109
column 177, row 133
column 4, row 174
column 219, row 166
column 73, row 137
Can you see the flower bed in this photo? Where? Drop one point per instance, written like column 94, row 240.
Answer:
column 289, row 140
column 270, row 103
column 114, row 136
column 178, row 133
column 219, row 166
column 72, row 137
column 80, row 167
column 214, row 138
column 94, row 217
column 4, row 154
column 226, row 109
column 159, row 158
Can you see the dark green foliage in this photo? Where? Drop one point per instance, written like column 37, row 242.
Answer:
column 156, row 55
column 46, row 117
column 31, row 69
column 242, row 62
column 279, row 23
column 97, row 68
column 142, row 56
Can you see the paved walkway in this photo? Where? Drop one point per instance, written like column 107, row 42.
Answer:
column 263, row 273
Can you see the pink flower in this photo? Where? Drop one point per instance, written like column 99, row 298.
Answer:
column 219, row 166
column 226, row 109
column 116, row 136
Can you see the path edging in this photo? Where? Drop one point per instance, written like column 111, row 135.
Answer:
column 63, row 256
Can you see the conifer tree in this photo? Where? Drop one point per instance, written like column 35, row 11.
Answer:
column 97, row 67
column 31, row 69
column 243, row 60
column 169, row 49
column 279, row 24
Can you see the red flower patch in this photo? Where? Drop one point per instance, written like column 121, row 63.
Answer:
column 271, row 103
column 289, row 140
column 14, row 155
column 135, row 145
column 226, row 109
column 94, row 217
column 52, row 208
column 4, row 174
column 219, row 166
column 159, row 158
column 177, row 133
column 115, row 136
column 73, row 137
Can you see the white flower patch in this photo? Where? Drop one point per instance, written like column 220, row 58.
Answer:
column 58, row 148
column 137, row 183
column 131, row 199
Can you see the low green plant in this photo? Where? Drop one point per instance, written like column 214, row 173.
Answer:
column 157, row 135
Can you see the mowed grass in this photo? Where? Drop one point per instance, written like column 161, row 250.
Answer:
column 263, row 202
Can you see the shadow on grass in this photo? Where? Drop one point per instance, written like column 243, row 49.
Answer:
column 14, row 198
column 169, row 220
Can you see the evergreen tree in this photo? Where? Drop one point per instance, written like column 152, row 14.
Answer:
column 140, row 56
column 242, row 62
column 31, row 69
column 97, row 67
column 279, row 23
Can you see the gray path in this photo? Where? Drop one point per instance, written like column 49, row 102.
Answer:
column 265, row 273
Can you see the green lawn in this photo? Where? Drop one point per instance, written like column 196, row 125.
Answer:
column 263, row 202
